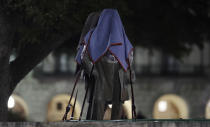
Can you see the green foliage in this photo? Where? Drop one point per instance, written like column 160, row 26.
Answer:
column 171, row 26
column 39, row 20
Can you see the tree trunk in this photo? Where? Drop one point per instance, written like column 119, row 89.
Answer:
column 3, row 103
column 4, row 85
column 5, row 48
column 29, row 56
column 4, row 81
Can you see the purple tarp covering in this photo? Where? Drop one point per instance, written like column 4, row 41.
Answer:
column 108, row 35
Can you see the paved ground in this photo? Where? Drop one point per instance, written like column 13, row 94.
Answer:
column 129, row 123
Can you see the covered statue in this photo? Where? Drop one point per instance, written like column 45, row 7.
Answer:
column 105, row 55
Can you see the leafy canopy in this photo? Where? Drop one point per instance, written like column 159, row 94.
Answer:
column 171, row 26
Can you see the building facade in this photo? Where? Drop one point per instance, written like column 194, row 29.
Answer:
column 165, row 87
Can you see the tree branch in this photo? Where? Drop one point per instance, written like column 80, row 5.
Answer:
column 30, row 56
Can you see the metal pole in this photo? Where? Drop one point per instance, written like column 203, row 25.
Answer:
column 83, row 104
column 69, row 103
column 75, row 101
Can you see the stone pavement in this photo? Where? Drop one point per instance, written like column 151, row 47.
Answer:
column 127, row 123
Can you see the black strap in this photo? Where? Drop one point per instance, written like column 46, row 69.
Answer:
column 132, row 95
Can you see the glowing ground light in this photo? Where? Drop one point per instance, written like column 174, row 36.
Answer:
column 110, row 105
column 162, row 106
column 11, row 102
